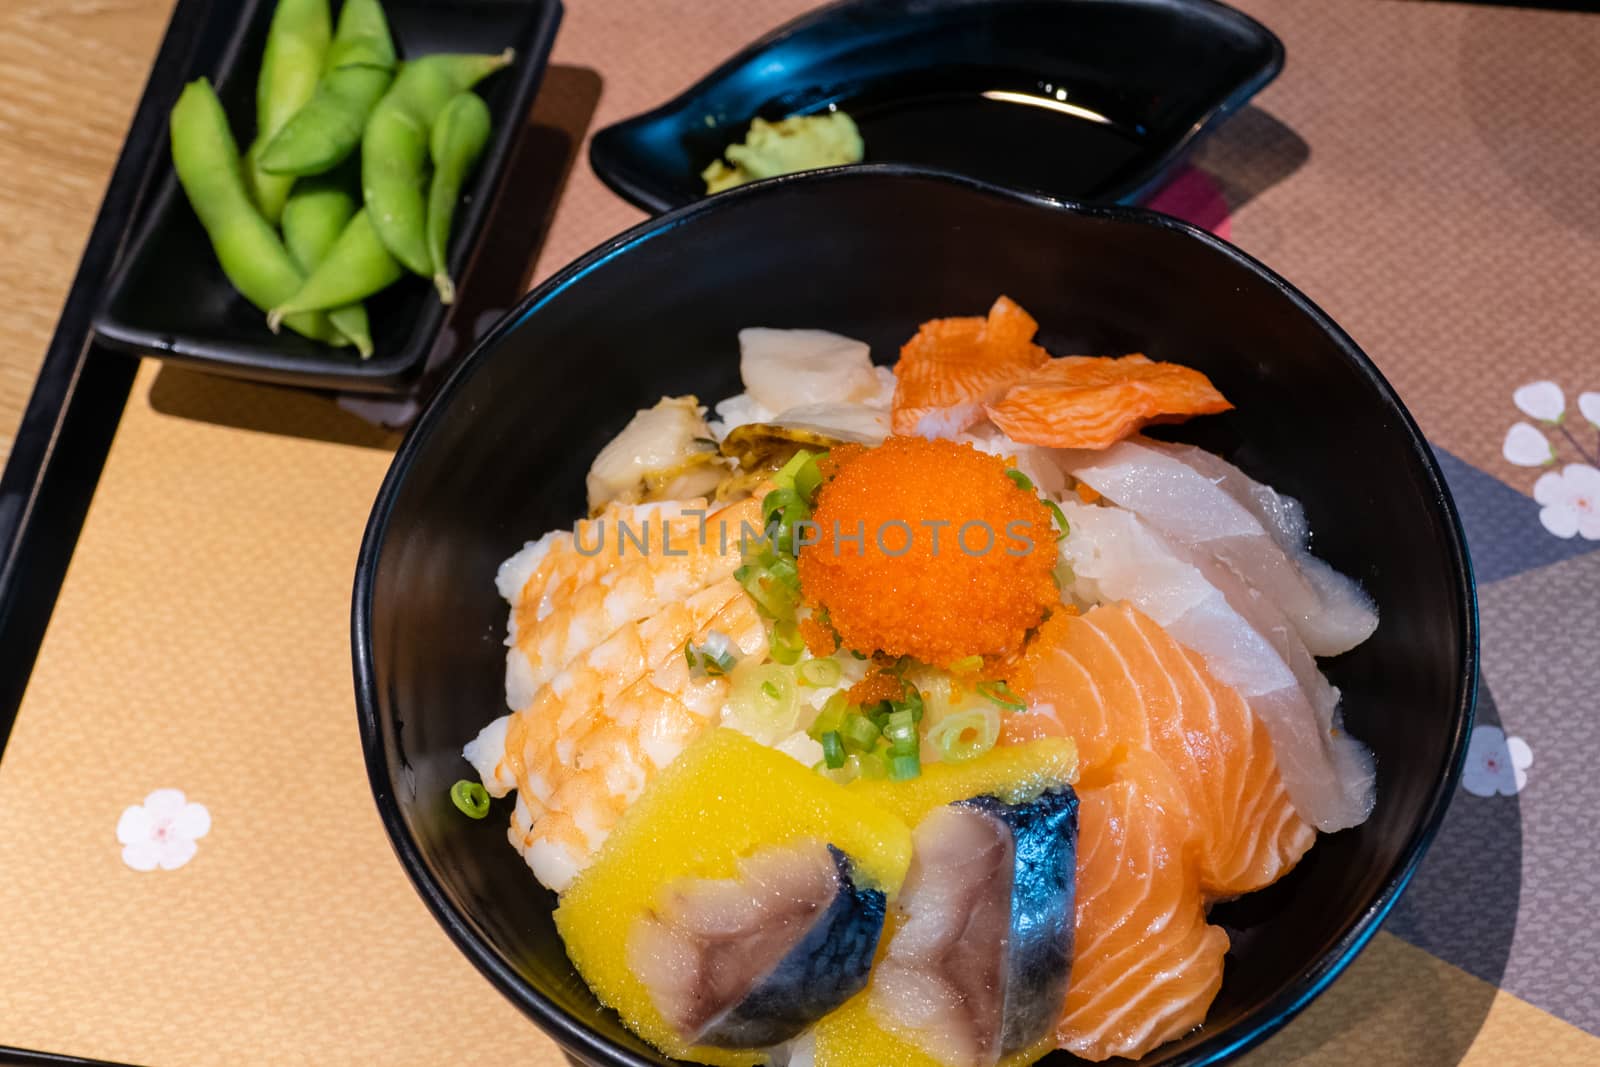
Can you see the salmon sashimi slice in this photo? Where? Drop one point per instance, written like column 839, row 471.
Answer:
column 1146, row 965
column 1095, row 401
column 1113, row 679
column 952, row 367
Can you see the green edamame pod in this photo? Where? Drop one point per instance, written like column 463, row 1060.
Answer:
column 206, row 158
column 291, row 66
column 317, row 212
column 459, row 134
column 394, row 149
column 357, row 266
column 359, row 69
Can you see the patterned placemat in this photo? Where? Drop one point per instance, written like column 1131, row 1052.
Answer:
column 1421, row 170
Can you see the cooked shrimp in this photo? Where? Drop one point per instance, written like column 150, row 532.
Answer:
column 581, row 587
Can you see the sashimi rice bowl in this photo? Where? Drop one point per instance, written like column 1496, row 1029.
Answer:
column 918, row 714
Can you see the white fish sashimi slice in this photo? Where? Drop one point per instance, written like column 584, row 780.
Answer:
column 1115, row 556
column 782, row 369
column 1215, row 511
column 1348, row 616
column 846, row 422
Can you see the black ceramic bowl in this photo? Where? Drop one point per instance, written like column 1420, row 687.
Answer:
column 169, row 297
column 1087, row 99
column 499, row 457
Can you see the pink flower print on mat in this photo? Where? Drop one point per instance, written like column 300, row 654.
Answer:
column 1192, row 196
column 1527, row 447
column 1571, row 501
column 1589, row 407
column 162, row 831
column 1496, row 764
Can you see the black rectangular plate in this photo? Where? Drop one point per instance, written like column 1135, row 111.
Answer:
column 169, row 297
column 1078, row 99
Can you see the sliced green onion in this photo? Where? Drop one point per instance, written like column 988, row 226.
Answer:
column 772, row 595
column 849, row 771
column 790, row 471
column 998, row 692
column 904, row 766
column 831, row 717
column 833, row 749
column 777, row 501
column 471, row 798
column 820, row 673
column 967, row 665
column 787, row 644
column 808, row 479
column 1061, row 518
column 713, row 659
column 966, row 734
column 858, row 655
column 858, row 732
column 873, row 764
column 764, row 701
column 911, row 704
column 785, row 571
column 1022, row 480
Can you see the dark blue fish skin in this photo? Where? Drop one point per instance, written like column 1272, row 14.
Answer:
column 1039, row 957
column 825, row 968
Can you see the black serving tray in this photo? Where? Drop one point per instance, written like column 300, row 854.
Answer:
column 169, row 297
column 83, row 384
column 1088, row 100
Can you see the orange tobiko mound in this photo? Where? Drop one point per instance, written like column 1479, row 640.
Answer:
column 929, row 549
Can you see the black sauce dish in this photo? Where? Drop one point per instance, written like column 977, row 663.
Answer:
column 499, row 457
column 1084, row 99
column 169, row 298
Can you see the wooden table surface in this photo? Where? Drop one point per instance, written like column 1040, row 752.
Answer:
column 71, row 72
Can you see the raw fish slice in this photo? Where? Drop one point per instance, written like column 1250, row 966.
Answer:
column 786, row 368
column 1209, row 507
column 952, row 367
column 859, row 423
column 615, row 570
column 1114, row 556
column 600, row 730
column 1349, row 616
column 1094, row 401
column 751, row 961
column 1145, row 966
column 1113, row 679
column 977, row 967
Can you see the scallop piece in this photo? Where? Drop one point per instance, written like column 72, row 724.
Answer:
column 750, row 962
column 664, row 453
column 977, row 967
column 783, row 369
